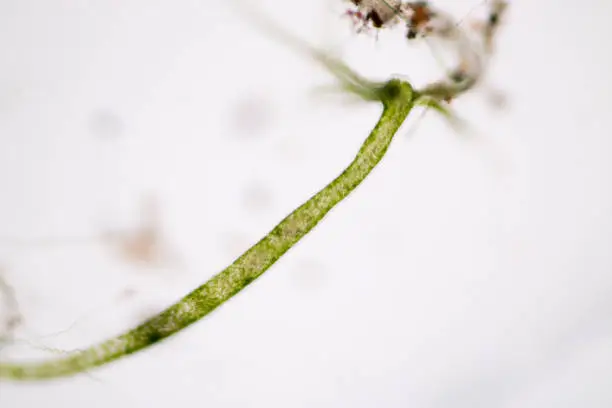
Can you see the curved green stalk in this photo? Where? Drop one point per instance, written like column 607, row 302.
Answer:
column 397, row 98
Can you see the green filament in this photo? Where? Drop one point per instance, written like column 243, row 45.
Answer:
column 397, row 98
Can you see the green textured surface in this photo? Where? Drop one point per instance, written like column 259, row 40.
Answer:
column 397, row 98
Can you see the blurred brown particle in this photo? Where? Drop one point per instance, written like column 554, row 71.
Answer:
column 145, row 244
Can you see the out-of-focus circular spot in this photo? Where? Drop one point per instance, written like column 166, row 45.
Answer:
column 106, row 124
column 251, row 116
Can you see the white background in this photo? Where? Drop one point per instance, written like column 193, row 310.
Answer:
column 467, row 271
